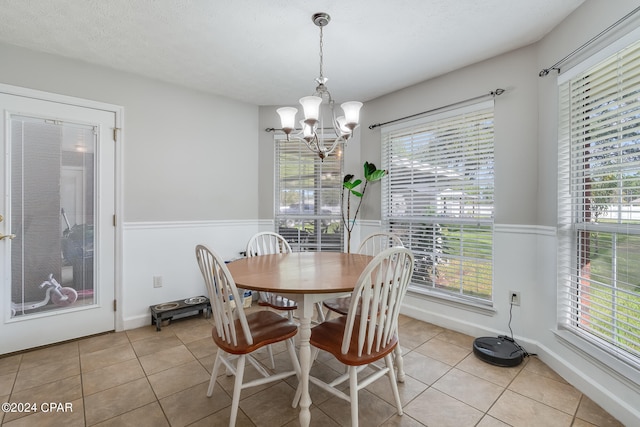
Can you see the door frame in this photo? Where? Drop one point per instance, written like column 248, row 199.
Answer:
column 118, row 174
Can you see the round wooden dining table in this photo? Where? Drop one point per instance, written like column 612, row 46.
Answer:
column 315, row 276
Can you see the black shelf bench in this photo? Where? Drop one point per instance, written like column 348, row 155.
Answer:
column 167, row 310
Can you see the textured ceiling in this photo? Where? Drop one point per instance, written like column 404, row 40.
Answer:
column 265, row 52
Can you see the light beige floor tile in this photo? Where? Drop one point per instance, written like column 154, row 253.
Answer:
column 434, row 408
column 64, row 390
column 271, row 406
column 461, row 340
column 46, row 373
column 150, row 415
column 59, row 353
column 192, row 404
column 436, row 348
column 117, row 400
column 221, row 419
column 401, row 421
column 207, row 362
column 498, row 375
column 423, row 368
column 582, row 423
column 318, row 419
column 489, row 421
column 178, row 378
column 324, row 373
column 537, row 366
column 469, row 389
column 517, row 410
column 250, row 373
column 371, row 409
column 193, row 330
column 6, row 382
column 589, row 411
column 202, row 348
column 106, row 357
column 559, row 395
column 10, row 364
column 282, row 360
column 144, row 333
column 414, row 333
column 408, row 390
column 111, row 376
column 155, row 344
column 101, row 342
column 166, row 359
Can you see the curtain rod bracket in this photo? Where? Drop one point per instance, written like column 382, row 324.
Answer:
column 545, row 72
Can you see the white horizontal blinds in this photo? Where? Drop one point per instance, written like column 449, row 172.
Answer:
column 438, row 197
column 307, row 197
column 599, row 202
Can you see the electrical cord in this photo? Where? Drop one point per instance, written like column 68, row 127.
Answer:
column 510, row 338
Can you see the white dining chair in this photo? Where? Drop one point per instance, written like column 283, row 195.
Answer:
column 265, row 243
column 239, row 335
column 369, row 331
column 372, row 245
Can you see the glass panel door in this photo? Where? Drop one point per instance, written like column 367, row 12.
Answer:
column 57, row 234
column 52, row 214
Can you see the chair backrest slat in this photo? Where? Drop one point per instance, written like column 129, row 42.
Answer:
column 222, row 290
column 378, row 294
column 267, row 242
column 378, row 242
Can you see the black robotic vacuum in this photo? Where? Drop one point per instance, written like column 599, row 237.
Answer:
column 500, row 351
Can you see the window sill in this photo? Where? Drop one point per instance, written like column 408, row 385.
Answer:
column 623, row 369
column 452, row 301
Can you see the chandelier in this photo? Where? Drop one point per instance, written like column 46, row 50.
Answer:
column 312, row 131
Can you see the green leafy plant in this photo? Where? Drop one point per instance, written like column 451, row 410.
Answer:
column 350, row 187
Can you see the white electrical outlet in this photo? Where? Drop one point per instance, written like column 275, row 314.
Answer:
column 157, row 281
column 514, row 298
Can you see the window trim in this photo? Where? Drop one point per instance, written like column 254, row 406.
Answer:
column 625, row 365
column 483, row 306
column 314, row 217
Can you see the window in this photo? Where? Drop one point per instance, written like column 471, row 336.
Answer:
column 599, row 204
column 438, row 197
column 307, row 199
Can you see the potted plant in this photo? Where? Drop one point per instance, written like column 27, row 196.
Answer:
column 371, row 174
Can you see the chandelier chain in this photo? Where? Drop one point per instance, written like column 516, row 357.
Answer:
column 321, row 55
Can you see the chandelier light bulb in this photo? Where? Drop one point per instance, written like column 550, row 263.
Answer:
column 311, row 106
column 287, row 118
column 342, row 125
column 351, row 113
column 307, row 131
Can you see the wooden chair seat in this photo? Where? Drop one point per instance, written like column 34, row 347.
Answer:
column 266, row 328
column 276, row 301
column 328, row 335
column 339, row 305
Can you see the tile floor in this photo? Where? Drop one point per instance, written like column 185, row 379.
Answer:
column 146, row 378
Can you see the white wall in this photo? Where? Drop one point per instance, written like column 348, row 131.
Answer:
column 187, row 155
column 181, row 277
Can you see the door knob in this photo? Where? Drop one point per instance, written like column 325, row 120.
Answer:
column 7, row 236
